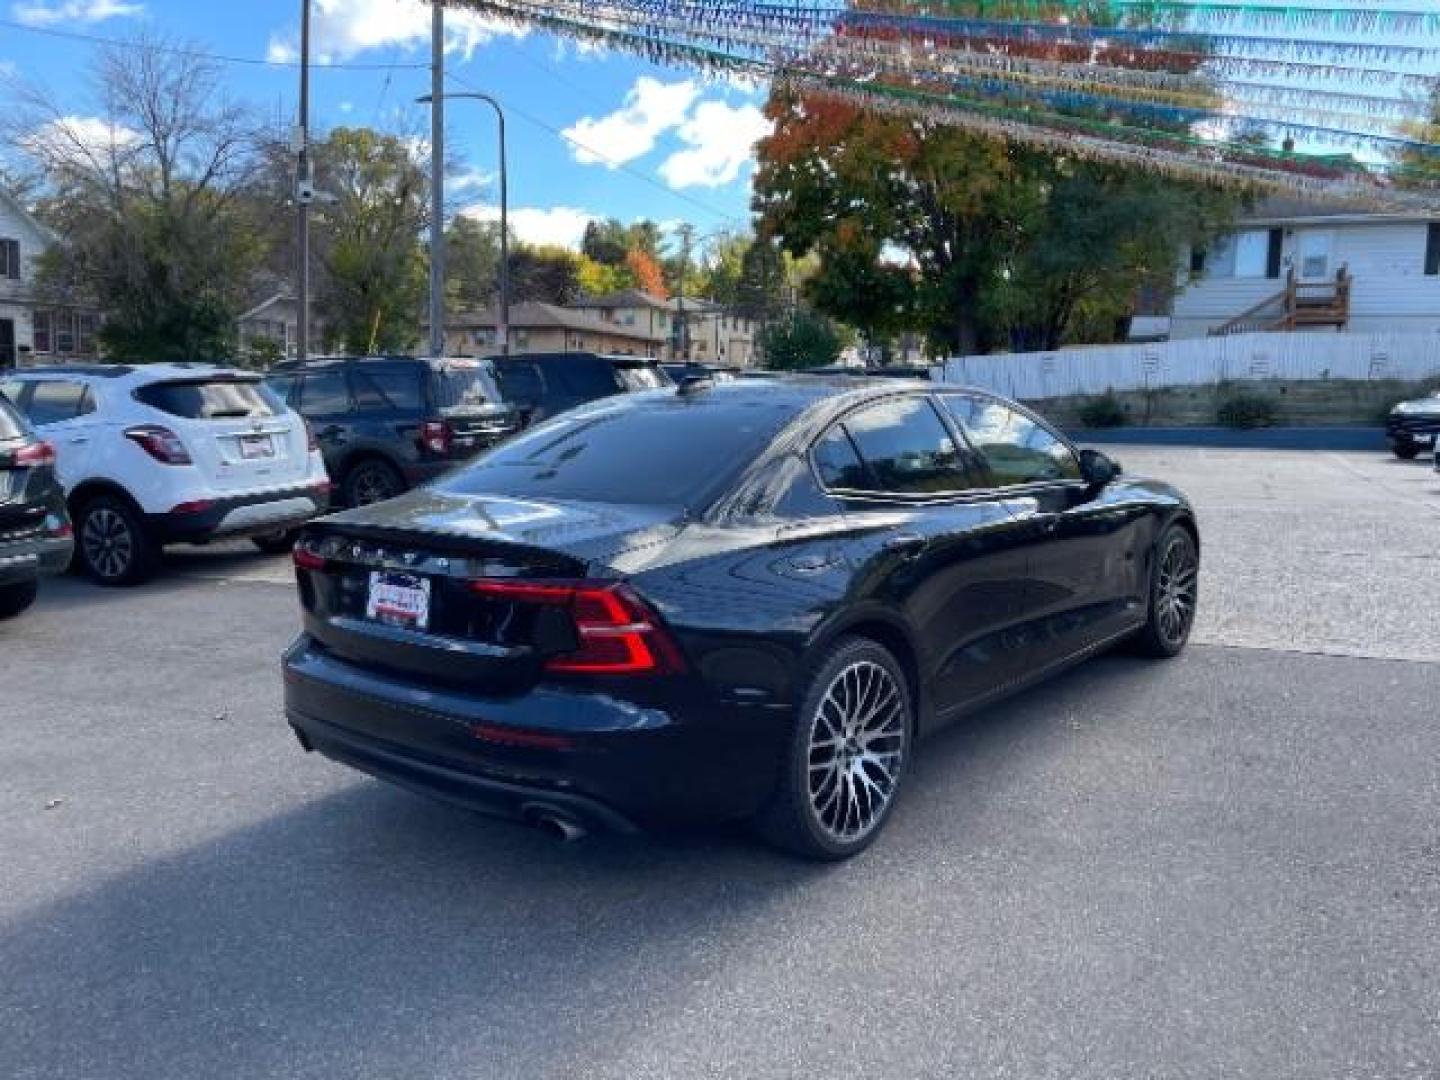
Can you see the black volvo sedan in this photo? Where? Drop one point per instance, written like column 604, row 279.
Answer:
column 741, row 599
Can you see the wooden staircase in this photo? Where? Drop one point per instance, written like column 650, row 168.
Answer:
column 1298, row 306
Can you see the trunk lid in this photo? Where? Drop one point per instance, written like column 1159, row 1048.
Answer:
column 394, row 584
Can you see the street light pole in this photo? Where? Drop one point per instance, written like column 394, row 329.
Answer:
column 503, row 328
column 303, row 192
column 437, row 179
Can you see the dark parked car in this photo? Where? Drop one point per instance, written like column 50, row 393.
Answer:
column 386, row 424
column 35, row 534
column 743, row 599
column 679, row 372
column 1413, row 426
column 894, row 371
column 542, row 385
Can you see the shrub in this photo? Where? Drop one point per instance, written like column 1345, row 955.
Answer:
column 1104, row 412
column 1245, row 409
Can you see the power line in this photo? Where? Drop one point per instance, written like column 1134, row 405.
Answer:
column 197, row 54
column 612, row 162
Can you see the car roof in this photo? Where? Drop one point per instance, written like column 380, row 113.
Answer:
column 319, row 363
column 570, row 357
column 135, row 374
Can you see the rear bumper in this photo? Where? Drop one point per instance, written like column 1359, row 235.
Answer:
column 607, row 762
column 38, row 556
column 242, row 515
column 1415, row 427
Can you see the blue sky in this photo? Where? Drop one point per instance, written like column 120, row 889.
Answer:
column 654, row 142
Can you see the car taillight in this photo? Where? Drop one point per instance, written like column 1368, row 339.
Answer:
column 618, row 633
column 160, row 443
column 435, row 436
column 306, row 559
column 35, row 455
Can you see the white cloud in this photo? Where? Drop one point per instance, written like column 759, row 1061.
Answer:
column 650, row 109
column 78, row 140
column 345, row 28
column 467, row 179
column 560, row 225
column 720, row 139
column 42, row 13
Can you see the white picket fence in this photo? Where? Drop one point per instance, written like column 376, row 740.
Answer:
column 1200, row 361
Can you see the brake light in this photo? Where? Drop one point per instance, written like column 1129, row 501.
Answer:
column 305, row 559
column 435, row 436
column 198, row 506
column 160, row 443
column 36, row 455
column 618, row 633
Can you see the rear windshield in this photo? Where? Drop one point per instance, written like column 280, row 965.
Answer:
column 212, row 399
column 641, row 378
column 10, row 425
column 463, row 385
column 659, row 449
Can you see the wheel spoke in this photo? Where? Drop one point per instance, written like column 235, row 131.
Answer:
column 857, row 740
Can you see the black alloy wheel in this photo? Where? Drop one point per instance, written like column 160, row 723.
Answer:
column 372, row 481
column 847, row 758
column 1174, row 594
column 111, row 544
column 1405, row 449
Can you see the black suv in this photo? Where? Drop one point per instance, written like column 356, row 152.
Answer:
column 1413, row 426
column 386, row 424
column 540, row 385
column 35, row 535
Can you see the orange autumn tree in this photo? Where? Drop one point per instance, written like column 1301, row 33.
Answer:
column 646, row 272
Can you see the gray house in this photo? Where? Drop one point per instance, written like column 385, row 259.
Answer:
column 33, row 328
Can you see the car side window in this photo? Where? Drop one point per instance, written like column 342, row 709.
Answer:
column 589, row 379
column 1017, row 449
column 324, row 393
column 11, row 389
column 392, row 390
column 283, row 386
column 520, row 383
column 906, row 448
column 55, row 400
column 837, row 462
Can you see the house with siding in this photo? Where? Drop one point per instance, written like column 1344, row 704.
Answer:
column 33, row 328
column 548, row 328
column 1293, row 265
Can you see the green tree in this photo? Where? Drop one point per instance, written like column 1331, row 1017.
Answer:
column 472, row 263
column 801, row 340
column 373, row 263
column 153, row 202
column 547, row 274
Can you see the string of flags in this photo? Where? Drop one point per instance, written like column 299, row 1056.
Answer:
column 1321, row 98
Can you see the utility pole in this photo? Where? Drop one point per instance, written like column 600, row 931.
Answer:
column 437, row 179
column 304, row 191
column 687, row 236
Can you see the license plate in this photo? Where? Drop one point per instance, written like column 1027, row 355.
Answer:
column 399, row 599
column 256, row 446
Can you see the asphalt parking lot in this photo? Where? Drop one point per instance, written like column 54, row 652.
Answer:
column 1223, row 866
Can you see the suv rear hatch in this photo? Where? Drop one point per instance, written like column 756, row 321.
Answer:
column 236, row 431
column 470, row 414
column 27, row 478
column 480, row 591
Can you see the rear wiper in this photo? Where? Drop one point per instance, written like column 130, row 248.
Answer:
column 230, row 414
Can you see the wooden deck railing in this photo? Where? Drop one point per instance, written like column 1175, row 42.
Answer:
column 1300, row 305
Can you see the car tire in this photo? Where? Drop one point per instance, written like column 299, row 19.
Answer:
column 1405, row 451
column 371, row 480
column 111, row 544
column 16, row 597
column 1173, row 594
column 852, row 732
column 276, row 543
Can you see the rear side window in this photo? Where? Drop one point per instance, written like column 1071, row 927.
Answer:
column 283, row 386
column 463, row 385
column 520, row 382
column 11, row 426
column 907, row 447
column 54, row 401
column 324, row 393
column 667, row 452
column 213, row 399
column 392, row 390
column 586, row 378
column 640, row 378
column 837, row 462
column 1017, row 449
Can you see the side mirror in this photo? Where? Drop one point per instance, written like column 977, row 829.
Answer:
column 1097, row 469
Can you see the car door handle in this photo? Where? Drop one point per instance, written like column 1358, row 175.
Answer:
column 908, row 545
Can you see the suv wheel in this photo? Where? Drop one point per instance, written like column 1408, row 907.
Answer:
column 371, row 481
column 1405, row 450
column 111, row 543
column 16, row 597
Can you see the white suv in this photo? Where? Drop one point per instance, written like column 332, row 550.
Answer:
column 170, row 453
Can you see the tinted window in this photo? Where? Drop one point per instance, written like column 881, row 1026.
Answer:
column 641, row 378
column 216, row 399
column 520, row 382
column 11, row 426
column 907, row 447
column 53, row 401
column 668, row 452
column 588, row 379
column 324, row 393
column 392, row 390
column 837, row 463
column 283, row 386
column 1017, row 449
column 463, row 385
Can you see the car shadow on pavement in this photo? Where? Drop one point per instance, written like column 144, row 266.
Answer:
column 372, row 931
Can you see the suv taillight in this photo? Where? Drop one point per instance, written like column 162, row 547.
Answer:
column 160, row 443
column 618, row 633
column 435, row 436
column 35, row 456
